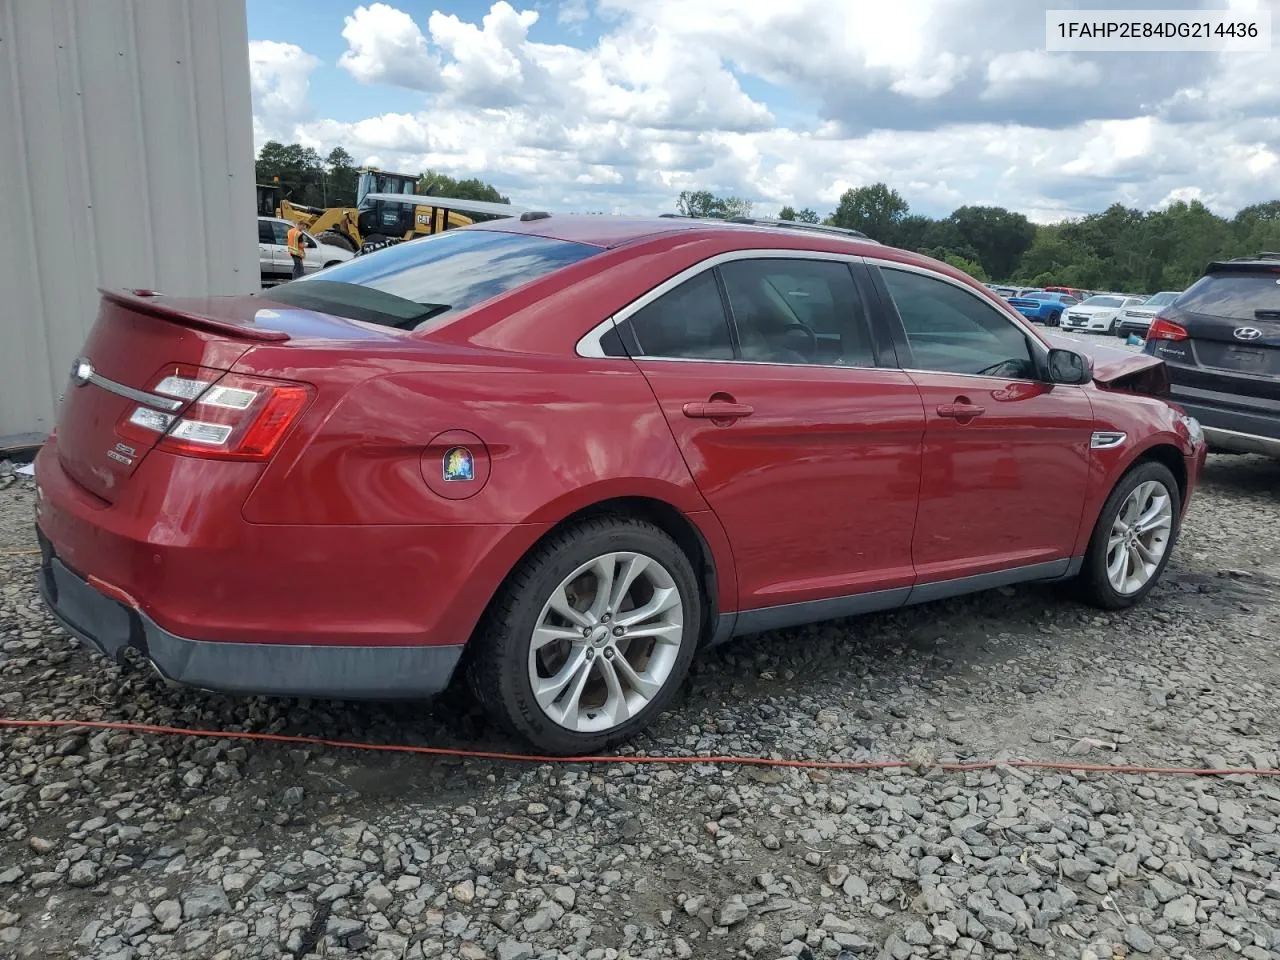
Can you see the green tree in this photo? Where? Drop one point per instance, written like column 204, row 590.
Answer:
column 299, row 170
column 438, row 184
column 340, row 186
column 787, row 213
column 807, row 215
column 999, row 236
column 875, row 210
column 972, row 267
column 704, row 203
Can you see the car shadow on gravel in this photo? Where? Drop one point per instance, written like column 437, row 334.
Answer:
column 884, row 673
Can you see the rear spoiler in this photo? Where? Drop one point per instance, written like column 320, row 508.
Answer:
column 141, row 301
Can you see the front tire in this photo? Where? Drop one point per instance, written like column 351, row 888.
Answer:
column 1133, row 538
column 1055, row 319
column 590, row 638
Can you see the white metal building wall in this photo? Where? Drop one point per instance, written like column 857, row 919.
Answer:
column 126, row 160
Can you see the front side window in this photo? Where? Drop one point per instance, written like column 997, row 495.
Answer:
column 412, row 283
column 281, row 231
column 265, row 233
column 952, row 331
column 685, row 323
column 798, row 311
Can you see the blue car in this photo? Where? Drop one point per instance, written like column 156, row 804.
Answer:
column 1042, row 307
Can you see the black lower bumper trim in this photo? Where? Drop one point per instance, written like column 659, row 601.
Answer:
column 270, row 669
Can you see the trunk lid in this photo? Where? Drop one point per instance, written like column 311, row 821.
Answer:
column 134, row 343
column 137, row 340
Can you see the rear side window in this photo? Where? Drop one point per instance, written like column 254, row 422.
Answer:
column 410, row 284
column 798, row 311
column 265, row 233
column 686, row 323
column 1238, row 296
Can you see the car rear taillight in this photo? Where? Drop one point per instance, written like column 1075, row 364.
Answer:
column 1162, row 329
column 229, row 417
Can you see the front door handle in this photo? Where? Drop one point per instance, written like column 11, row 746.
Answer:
column 717, row 410
column 961, row 410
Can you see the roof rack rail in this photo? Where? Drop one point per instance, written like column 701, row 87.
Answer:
column 775, row 222
column 799, row 225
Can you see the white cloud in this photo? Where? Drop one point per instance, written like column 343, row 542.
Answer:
column 573, row 13
column 1012, row 74
column 279, row 79
column 950, row 101
column 384, row 45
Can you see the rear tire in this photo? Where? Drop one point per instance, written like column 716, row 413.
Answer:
column 1121, row 566
column 603, row 670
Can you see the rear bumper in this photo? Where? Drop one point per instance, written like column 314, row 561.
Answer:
column 1227, row 427
column 1231, row 441
column 274, row 669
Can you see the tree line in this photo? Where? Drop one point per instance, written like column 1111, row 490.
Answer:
column 306, row 178
column 1122, row 248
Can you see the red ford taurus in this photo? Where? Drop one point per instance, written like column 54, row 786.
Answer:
column 562, row 454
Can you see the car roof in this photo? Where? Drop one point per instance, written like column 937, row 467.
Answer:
column 604, row 230
column 1263, row 261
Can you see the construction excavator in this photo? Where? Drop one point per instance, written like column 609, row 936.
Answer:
column 387, row 211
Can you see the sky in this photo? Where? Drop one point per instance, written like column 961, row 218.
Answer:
column 616, row 106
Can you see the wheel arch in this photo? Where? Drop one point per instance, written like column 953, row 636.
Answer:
column 1163, row 452
column 699, row 536
column 1162, row 449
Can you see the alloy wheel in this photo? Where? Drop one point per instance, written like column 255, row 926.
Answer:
column 1139, row 537
column 606, row 642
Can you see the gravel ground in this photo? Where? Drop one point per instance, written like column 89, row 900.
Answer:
column 115, row 845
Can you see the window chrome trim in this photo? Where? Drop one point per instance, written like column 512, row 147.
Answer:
column 589, row 344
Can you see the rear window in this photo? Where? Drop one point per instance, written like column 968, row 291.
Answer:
column 1238, row 296
column 410, row 284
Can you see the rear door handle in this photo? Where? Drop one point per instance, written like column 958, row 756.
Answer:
column 960, row 411
column 717, row 410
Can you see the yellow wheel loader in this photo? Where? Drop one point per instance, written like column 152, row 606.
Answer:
column 387, row 211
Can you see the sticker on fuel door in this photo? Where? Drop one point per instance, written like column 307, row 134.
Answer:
column 459, row 464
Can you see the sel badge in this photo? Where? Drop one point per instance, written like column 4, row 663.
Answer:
column 459, row 464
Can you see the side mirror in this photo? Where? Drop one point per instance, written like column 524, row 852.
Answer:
column 1067, row 366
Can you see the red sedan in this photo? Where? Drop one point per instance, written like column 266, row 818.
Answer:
column 562, row 454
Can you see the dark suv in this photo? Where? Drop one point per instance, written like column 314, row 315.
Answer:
column 1220, row 340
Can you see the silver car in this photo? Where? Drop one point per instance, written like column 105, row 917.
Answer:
column 273, row 251
column 1138, row 319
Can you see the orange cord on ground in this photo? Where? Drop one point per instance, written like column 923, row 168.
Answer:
column 719, row 760
column 19, row 553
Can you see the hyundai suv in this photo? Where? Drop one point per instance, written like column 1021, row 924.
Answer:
column 1220, row 341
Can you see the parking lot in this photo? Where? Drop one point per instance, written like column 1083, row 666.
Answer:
column 119, row 844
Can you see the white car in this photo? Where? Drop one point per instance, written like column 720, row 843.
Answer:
column 1098, row 314
column 273, row 251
